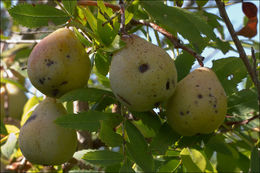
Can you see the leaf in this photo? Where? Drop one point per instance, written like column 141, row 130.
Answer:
column 249, row 9
column 81, row 38
column 183, row 64
column 250, row 30
column 193, row 160
column 116, row 45
column 103, row 157
column 3, row 129
column 102, row 62
column 138, row 148
column 177, row 19
column 92, row 21
column 85, row 121
column 70, row 6
column 8, row 148
column 126, row 167
column 201, row 3
column 217, row 143
column 243, row 102
column 170, row 166
column 230, row 72
column 163, row 139
column 86, row 94
column 38, row 15
column 255, row 160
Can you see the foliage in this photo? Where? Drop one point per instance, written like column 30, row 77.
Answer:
column 125, row 141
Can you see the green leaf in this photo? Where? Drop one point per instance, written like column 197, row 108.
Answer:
column 217, row 143
column 163, row 139
column 8, row 148
column 126, row 167
column 116, row 45
column 103, row 157
column 92, row 21
column 86, row 94
column 170, row 166
column 201, row 3
column 85, row 121
column 255, row 160
column 193, row 160
column 38, row 15
column 183, row 64
column 81, row 38
column 230, row 72
column 3, row 130
column 108, row 136
column 177, row 19
column 138, row 148
column 243, row 102
column 70, row 6
column 102, row 62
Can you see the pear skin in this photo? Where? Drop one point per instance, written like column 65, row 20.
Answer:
column 42, row 141
column 58, row 64
column 142, row 75
column 198, row 105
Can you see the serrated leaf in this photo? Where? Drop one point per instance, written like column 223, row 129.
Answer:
column 38, row 15
column 70, row 6
column 84, row 121
column 230, row 72
column 193, row 160
column 243, row 102
column 138, row 148
column 255, row 160
column 103, row 157
column 8, row 148
column 163, row 139
column 183, row 64
column 86, row 94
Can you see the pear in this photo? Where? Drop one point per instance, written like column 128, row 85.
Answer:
column 58, row 64
column 16, row 100
column 42, row 141
column 142, row 75
column 198, row 105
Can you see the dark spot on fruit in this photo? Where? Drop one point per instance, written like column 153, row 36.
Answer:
column 214, row 105
column 157, row 104
column 181, row 113
column 187, row 112
column 143, row 68
column 168, row 85
column 200, row 96
column 42, row 80
column 32, row 117
column 48, row 62
column 216, row 111
column 68, row 56
column 197, row 85
column 122, row 98
column 154, row 95
column 210, row 101
column 60, row 50
column 200, row 70
column 48, row 78
column 210, row 95
column 55, row 92
column 64, row 83
column 209, row 88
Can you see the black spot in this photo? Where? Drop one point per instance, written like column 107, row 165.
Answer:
column 197, row 85
column 143, row 68
column 55, row 92
column 122, row 98
column 42, row 80
column 216, row 111
column 48, row 78
column 209, row 88
column 64, row 83
column 214, row 105
column 49, row 62
column 157, row 104
column 210, row 95
column 168, row 85
column 200, row 96
column 32, row 117
column 154, row 95
column 68, row 56
column 187, row 112
column 181, row 113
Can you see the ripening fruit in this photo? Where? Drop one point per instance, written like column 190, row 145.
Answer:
column 59, row 64
column 42, row 141
column 142, row 75
column 198, row 105
column 16, row 101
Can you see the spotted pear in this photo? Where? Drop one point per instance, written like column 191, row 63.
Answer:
column 142, row 75
column 58, row 64
column 198, row 105
column 42, row 141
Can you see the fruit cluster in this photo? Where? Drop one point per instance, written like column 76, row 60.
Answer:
column 142, row 76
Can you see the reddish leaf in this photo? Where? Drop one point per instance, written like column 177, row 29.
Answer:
column 249, row 9
column 250, row 30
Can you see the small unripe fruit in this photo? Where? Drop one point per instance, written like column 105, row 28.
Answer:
column 42, row 141
column 198, row 105
column 59, row 64
column 142, row 75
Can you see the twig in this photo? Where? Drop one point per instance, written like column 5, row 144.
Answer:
column 256, row 74
column 20, row 41
column 94, row 3
column 243, row 122
column 172, row 38
column 122, row 12
column 241, row 51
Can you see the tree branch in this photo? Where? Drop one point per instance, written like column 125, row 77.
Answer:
column 122, row 12
column 241, row 51
column 243, row 122
column 20, row 41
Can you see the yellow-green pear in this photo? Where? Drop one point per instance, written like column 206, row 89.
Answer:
column 58, row 64
column 142, row 75
column 198, row 105
column 16, row 100
column 42, row 141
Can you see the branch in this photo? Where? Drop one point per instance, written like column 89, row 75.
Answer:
column 122, row 12
column 20, row 41
column 243, row 122
column 172, row 38
column 241, row 51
